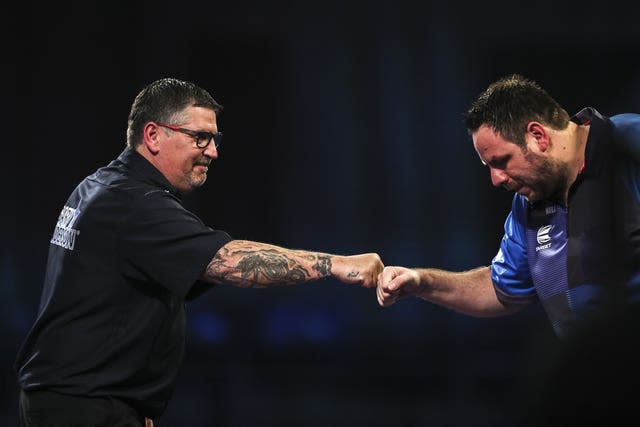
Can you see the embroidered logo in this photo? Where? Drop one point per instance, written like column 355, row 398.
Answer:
column 543, row 237
column 65, row 235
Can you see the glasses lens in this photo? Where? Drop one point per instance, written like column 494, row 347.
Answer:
column 203, row 139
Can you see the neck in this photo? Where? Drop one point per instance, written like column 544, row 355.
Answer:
column 581, row 133
column 574, row 147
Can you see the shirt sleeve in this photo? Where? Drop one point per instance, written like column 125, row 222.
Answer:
column 510, row 267
column 167, row 244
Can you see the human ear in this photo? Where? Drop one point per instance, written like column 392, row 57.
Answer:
column 540, row 135
column 151, row 136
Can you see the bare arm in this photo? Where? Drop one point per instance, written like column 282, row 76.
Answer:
column 253, row 264
column 468, row 292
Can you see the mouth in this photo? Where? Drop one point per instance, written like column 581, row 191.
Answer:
column 516, row 187
column 512, row 187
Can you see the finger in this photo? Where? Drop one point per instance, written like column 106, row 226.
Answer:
column 396, row 283
column 379, row 297
column 373, row 276
column 388, row 300
column 384, row 299
column 388, row 273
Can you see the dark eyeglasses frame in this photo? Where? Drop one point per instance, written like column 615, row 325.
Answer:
column 202, row 138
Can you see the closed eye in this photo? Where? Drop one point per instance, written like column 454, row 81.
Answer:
column 499, row 162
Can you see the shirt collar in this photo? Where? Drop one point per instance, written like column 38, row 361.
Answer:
column 144, row 170
column 598, row 130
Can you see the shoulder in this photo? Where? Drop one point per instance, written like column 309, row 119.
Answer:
column 519, row 207
column 626, row 134
column 626, row 125
column 121, row 182
column 516, row 221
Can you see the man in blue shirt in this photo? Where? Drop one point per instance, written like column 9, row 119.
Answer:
column 572, row 238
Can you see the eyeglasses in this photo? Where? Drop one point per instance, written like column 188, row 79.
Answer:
column 202, row 138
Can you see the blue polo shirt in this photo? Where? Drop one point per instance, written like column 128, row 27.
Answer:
column 124, row 257
column 574, row 259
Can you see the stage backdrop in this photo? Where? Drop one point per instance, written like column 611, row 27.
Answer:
column 344, row 134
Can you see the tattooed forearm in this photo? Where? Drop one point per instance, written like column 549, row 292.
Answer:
column 252, row 264
column 323, row 266
column 273, row 267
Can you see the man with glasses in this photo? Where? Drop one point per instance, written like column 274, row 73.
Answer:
column 124, row 257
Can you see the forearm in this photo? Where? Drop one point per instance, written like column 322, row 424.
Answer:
column 252, row 264
column 468, row 292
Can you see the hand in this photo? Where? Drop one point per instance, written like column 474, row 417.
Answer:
column 395, row 283
column 358, row 269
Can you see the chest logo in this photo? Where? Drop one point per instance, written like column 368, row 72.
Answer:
column 543, row 237
column 543, row 234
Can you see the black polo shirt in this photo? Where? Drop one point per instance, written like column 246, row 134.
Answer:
column 124, row 257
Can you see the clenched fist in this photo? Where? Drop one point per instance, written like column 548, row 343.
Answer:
column 362, row 269
column 395, row 283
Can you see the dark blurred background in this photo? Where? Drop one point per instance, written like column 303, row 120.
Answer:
column 343, row 133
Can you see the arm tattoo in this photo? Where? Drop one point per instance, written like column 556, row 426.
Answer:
column 250, row 264
column 272, row 266
column 323, row 266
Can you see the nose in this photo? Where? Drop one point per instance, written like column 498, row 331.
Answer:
column 211, row 151
column 498, row 177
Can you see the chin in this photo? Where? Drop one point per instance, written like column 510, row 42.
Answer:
column 534, row 198
column 198, row 181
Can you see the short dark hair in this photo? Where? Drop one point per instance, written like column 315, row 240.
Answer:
column 162, row 101
column 510, row 103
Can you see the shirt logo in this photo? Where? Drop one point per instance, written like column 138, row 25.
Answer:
column 64, row 235
column 543, row 238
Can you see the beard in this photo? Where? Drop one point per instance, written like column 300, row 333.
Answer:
column 197, row 178
column 549, row 179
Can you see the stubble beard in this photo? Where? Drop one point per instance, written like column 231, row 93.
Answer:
column 550, row 178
